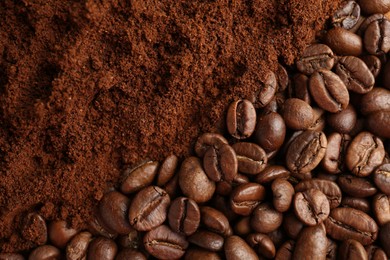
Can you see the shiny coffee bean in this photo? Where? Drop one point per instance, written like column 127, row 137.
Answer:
column 373, row 63
column 265, row 219
column 344, row 121
column 113, row 209
column 45, row 252
column 215, row 221
column 207, row 240
column 374, row 6
column 300, row 88
column 381, row 208
column 34, row 229
column 311, row 243
column 206, row 140
column 376, row 37
column 60, row 233
column 102, row 248
column 311, row 207
column 272, row 172
column 384, row 237
column 364, row 154
column 306, row 151
column 163, row 243
column 356, row 187
column 149, row 208
column 328, row 91
column 132, row 254
column 283, row 193
column 201, row 254
column 379, row 123
column 251, row 158
column 382, row 178
column 263, row 244
column 375, row 253
column 266, row 90
column 77, row 248
column 346, row 223
column 98, row 228
column 246, row 197
column 243, row 226
column 333, row 161
column 347, row 15
column 355, row 74
column 344, row 42
column 292, row 225
column 184, row 216
column 282, row 78
column 315, row 57
column 194, row 182
column 356, row 203
column 297, row 114
column 285, row 251
column 378, row 99
column 351, row 249
column 270, row 131
column 236, row 248
column 167, row 170
column 139, row 177
column 241, row 119
column 220, row 164
column 319, row 120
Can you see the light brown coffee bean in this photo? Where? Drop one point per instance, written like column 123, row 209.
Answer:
column 251, row 158
column 139, row 177
column 315, row 57
column 241, row 119
column 344, row 42
column 297, row 114
column 206, row 140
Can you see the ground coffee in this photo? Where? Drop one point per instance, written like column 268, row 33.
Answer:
column 88, row 88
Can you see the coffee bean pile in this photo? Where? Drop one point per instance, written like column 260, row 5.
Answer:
column 302, row 172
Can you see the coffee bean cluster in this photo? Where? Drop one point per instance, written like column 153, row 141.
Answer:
column 302, row 172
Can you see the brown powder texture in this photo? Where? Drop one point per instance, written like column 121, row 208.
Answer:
column 89, row 87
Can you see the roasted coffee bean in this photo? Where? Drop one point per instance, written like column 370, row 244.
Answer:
column 357, row 203
column 347, row 15
column 236, row 248
column 346, row 223
column 34, row 229
column 139, row 177
column 215, row 221
column 373, row 63
column 300, row 88
column 355, row 74
column 379, row 123
column 370, row 19
column 374, row 6
column 220, row 164
column 131, row 240
column 201, row 254
column 241, row 119
column 167, row 170
column 77, row 248
column 344, row 42
column 319, row 120
column 265, row 219
column 272, row 172
column 331, row 250
column 375, row 253
column 333, row 161
column 306, row 151
column 224, row 188
column 132, row 254
column 311, row 207
column 246, row 197
column 364, row 153
column 223, row 204
column 381, row 208
column 282, row 78
column 285, row 252
column 270, row 131
column 382, row 178
column 206, row 140
column 11, row 256
column 328, row 91
column 243, row 226
column 163, row 243
column 344, row 121
column 278, row 236
column 251, row 158
column 113, row 209
column 45, row 252
column 356, row 187
column 184, row 216
column 292, row 225
column 378, row 99
column 208, row 240
column 384, row 237
column 311, row 243
column 351, row 249
column 315, row 57
column 297, row 114
column 266, row 90
column 60, row 233
column 326, row 176
column 283, row 193
column 149, row 208
column 376, row 37
column 172, row 186
column 98, row 228
column 102, row 248
column 263, row 244
column 194, row 182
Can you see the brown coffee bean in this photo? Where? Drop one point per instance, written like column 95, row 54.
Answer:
column 278, row 236
column 347, row 15
column 329, row 188
column 236, row 248
column 263, row 244
column 311, row 207
column 374, row 6
column 364, row 153
column 149, row 208
column 98, row 228
column 167, row 170
column 34, row 229
column 356, row 203
column 319, row 120
column 283, row 193
column 297, row 114
column 102, row 248
column 379, row 123
column 246, row 197
column 378, row 99
column 351, row 249
column 282, row 78
column 215, row 221
column 306, row 151
column 373, row 63
column 368, row 20
column 223, row 204
column 270, row 131
column 292, row 225
column 381, row 208
column 60, row 233
column 349, row 223
column 300, row 88
column 344, row 42
column 375, row 253
column 355, row 74
column 243, row 226
column 132, row 254
column 45, row 252
column 131, row 240
column 201, row 254
column 224, row 188
column 184, row 216
column 172, row 186
column 206, row 140
column 326, row 176
column 139, row 177
column 315, row 57
column 285, row 252
column 384, row 237
column 272, row 172
column 331, row 251
column 251, row 158
column 344, row 121
column 77, row 248
column 208, row 240
column 266, row 90
column 356, row 187
column 376, row 37
column 328, row 91
column 311, row 243
column 163, row 243
column 241, row 119
column 382, row 178
column 220, row 164
column 194, row 182
column 113, row 209
column 333, row 161
column 265, row 219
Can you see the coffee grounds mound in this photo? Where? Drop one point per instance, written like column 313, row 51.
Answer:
column 88, row 88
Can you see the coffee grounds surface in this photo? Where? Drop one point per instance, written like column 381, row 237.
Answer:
column 88, row 88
